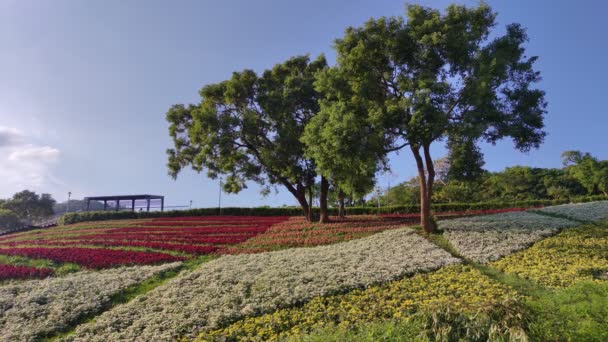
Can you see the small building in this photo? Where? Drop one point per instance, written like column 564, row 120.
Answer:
column 132, row 198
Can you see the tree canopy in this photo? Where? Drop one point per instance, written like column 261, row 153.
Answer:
column 28, row 205
column 435, row 76
column 249, row 128
column 588, row 170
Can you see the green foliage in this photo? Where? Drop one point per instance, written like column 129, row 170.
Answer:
column 504, row 322
column 577, row 313
column 397, row 331
column 28, row 205
column 590, row 172
column 518, row 183
column 248, row 128
column 435, row 76
column 9, row 221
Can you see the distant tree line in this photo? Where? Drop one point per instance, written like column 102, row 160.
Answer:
column 581, row 174
column 26, row 206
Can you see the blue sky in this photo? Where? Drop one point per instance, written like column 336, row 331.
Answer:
column 85, row 85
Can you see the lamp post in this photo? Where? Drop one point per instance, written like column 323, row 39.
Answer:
column 68, row 205
column 190, row 204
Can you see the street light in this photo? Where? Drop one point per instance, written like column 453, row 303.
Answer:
column 190, row 204
column 68, row 206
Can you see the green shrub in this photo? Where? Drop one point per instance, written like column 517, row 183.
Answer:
column 70, row 218
column 9, row 221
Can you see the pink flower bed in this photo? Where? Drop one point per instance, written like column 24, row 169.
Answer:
column 92, row 257
column 23, row 272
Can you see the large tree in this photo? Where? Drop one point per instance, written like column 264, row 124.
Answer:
column 348, row 160
column 29, row 206
column 590, row 172
column 437, row 77
column 249, row 128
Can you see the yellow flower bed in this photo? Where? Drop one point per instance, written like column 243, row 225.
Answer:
column 460, row 287
column 571, row 256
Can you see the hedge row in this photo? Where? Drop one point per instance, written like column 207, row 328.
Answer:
column 296, row 211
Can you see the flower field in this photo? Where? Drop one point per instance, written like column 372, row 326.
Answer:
column 135, row 242
column 490, row 237
column 23, row 272
column 588, row 212
column 131, row 242
column 571, row 256
column 35, row 308
column 460, row 287
column 232, row 287
column 275, row 278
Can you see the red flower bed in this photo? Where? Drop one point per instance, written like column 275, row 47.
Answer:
column 23, row 272
column 92, row 257
column 177, row 247
column 192, row 235
column 201, row 239
column 245, row 219
column 253, row 229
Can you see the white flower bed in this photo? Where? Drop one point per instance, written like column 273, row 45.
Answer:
column 35, row 308
column 591, row 211
column 490, row 237
column 232, row 287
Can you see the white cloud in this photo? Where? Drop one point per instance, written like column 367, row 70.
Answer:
column 31, row 153
column 24, row 165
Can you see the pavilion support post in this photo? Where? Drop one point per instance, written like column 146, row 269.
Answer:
column 162, row 204
column 147, row 204
column 117, row 204
column 133, row 205
column 105, row 205
column 88, row 204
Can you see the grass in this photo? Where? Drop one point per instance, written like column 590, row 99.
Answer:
column 576, row 313
column 129, row 293
column 398, row 331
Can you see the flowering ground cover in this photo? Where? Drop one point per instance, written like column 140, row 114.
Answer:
column 574, row 255
column 32, row 309
column 490, row 237
column 235, row 286
column 23, row 272
column 297, row 232
column 589, row 212
column 462, row 288
column 92, row 257
column 108, row 244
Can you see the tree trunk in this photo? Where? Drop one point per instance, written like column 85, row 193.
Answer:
column 341, row 211
column 301, row 197
column 426, row 188
column 324, row 215
column 299, row 192
column 311, row 214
